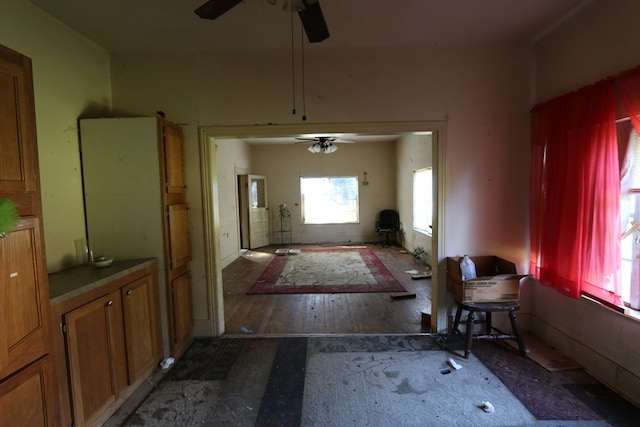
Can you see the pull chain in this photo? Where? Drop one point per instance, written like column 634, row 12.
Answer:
column 293, row 66
column 304, row 103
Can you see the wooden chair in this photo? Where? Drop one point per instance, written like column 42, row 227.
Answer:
column 488, row 307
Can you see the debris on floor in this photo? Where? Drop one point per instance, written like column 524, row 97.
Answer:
column 487, row 407
column 455, row 365
column 394, row 297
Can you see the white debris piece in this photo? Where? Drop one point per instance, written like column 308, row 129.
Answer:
column 167, row 363
column 455, row 365
column 488, row 407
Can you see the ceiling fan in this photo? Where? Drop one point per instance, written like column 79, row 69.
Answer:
column 308, row 10
column 324, row 143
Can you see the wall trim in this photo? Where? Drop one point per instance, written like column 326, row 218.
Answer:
column 213, row 263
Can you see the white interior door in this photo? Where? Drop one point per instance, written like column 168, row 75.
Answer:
column 258, row 211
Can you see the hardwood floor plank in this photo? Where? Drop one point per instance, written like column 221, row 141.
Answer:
column 307, row 314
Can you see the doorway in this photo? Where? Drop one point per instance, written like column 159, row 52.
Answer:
column 210, row 206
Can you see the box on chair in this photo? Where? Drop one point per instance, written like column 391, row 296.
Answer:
column 497, row 280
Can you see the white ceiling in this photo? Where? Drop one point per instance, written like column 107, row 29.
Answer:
column 171, row 25
column 153, row 25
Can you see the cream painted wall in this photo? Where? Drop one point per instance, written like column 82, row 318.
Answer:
column 285, row 164
column 599, row 41
column 483, row 93
column 233, row 158
column 71, row 79
column 413, row 152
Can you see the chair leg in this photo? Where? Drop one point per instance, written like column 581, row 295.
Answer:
column 456, row 322
column 516, row 331
column 471, row 320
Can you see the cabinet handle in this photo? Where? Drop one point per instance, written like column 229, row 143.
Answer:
column 129, row 292
column 109, row 304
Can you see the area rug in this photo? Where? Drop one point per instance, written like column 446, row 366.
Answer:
column 326, row 270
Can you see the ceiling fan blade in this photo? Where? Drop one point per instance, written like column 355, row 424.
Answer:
column 214, row 8
column 313, row 21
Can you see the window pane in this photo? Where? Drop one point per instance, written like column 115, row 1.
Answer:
column 329, row 200
column 422, row 200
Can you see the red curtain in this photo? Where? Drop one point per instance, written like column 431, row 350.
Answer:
column 629, row 87
column 575, row 193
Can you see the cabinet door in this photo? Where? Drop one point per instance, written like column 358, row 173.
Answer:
column 23, row 298
column 182, row 311
column 173, row 150
column 23, row 397
column 92, row 332
column 18, row 162
column 138, row 305
column 179, row 235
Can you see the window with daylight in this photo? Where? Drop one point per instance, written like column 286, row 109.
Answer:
column 585, row 192
column 329, row 200
column 630, row 216
column 422, row 200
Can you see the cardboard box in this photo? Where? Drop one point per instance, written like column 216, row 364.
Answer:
column 497, row 280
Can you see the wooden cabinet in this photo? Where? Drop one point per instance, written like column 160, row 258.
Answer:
column 25, row 329
column 182, row 322
column 92, row 334
column 179, row 242
column 19, row 179
column 109, row 339
column 25, row 332
column 135, row 196
column 138, row 308
column 24, row 396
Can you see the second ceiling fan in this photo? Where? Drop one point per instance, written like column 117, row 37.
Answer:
column 308, row 10
column 324, row 144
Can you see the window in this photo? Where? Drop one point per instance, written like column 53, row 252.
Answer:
column 422, row 200
column 329, row 200
column 630, row 216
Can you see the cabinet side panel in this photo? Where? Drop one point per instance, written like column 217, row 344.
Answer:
column 122, row 186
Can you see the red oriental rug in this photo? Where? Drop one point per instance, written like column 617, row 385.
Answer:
column 326, row 270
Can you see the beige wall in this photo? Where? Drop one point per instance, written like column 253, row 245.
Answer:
column 413, row 152
column 599, row 41
column 71, row 79
column 285, row 164
column 233, row 158
column 482, row 93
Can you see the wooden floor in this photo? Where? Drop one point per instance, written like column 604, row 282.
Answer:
column 311, row 314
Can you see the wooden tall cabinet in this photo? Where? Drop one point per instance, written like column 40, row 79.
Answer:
column 25, row 332
column 135, row 197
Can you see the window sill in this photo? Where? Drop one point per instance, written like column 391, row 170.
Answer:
column 426, row 233
column 623, row 311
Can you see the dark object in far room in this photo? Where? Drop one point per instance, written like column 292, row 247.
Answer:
column 388, row 223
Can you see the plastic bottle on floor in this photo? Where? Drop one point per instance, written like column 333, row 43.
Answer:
column 468, row 268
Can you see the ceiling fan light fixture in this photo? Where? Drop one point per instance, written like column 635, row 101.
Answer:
column 315, row 148
column 330, row 149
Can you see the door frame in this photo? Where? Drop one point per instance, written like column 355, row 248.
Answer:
column 208, row 175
